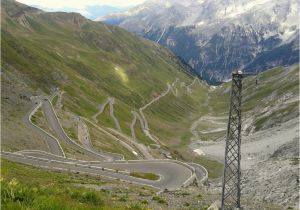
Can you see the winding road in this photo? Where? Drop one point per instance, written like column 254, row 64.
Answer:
column 110, row 101
column 173, row 174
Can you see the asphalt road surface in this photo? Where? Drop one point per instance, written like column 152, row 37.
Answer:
column 52, row 143
column 54, row 124
column 173, row 174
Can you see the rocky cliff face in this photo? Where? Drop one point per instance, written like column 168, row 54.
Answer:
column 217, row 37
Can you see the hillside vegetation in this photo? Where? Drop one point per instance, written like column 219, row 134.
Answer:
column 129, row 95
column 91, row 62
column 88, row 60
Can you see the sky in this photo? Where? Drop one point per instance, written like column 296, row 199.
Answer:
column 88, row 8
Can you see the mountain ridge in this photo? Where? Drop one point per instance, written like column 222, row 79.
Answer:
column 109, row 90
column 216, row 37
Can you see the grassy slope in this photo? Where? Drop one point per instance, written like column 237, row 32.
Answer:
column 105, row 119
column 88, row 60
column 268, row 102
column 26, row 187
column 92, row 61
column 54, row 51
column 171, row 117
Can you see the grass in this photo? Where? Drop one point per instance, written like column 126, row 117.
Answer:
column 88, row 80
column 171, row 116
column 214, row 168
column 34, row 119
column 105, row 118
column 104, row 142
column 54, row 51
column 71, row 132
column 140, row 136
column 39, row 120
column 42, row 190
column 54, row 100
column 143, row 175
column 26, row 187
column 73, row 152
column 159, row 200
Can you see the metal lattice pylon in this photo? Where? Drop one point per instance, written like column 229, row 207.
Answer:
column 231, row 191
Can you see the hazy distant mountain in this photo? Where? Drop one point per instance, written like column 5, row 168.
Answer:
column 217, row 36
column 92, row 12
column 96, row 11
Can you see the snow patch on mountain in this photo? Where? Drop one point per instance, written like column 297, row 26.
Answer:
column 218, row 36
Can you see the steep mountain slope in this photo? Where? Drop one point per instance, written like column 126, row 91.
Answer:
column 130, row 87
column 89, row 61
column 215, row 37
column 115, row 92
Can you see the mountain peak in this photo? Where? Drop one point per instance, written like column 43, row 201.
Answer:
column 208, row 34
column 15, row 9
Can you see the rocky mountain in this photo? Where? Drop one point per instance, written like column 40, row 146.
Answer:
column 216, row 37
column 129, row 94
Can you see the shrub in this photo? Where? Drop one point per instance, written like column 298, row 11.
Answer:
column 13, row 192
column 123, row 199
column 186, row 204
column 159, row 200
column 90, row 197
column 185, row 193
column 136, row 207
column 144, row 202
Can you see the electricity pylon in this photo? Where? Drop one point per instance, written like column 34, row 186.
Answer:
column 231, row 191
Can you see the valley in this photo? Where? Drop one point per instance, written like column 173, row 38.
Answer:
column 107, row 110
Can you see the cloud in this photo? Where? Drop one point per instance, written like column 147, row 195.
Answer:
column 79, row 4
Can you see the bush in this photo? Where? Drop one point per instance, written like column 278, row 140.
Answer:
column 136, row 207
column 90, row 197
column 13, row 192
column 144, row 202
column 159, row 200
column 123, row 199
column 185, row 193
column 187, row 204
